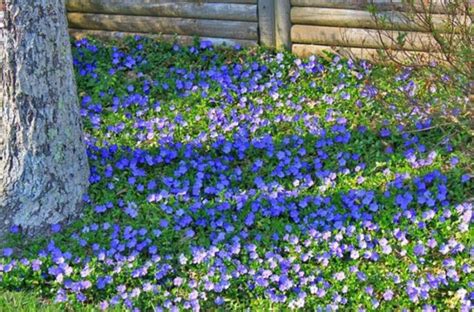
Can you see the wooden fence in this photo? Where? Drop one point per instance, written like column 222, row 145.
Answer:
column 220, row 21
column 348, row 27
column 304, row 26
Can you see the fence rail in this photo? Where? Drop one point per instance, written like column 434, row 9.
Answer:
column 230, row 22
column 303, row 26
column 337, row 25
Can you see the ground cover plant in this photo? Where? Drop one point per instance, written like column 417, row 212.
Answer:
column 232, row 179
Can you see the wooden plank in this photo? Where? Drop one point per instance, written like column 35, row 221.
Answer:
column 282, row 24
column 187, row 40
column 354, row 4
column 305, row 50
column 187, row 1
column 361, row 38
column 166, row 25
column 361, row 19
column 266, row 22
column 337, row 4
column 436, row 6
column 220, row 11
column 224, row 1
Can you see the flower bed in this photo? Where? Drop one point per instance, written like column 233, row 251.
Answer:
column 225, row 179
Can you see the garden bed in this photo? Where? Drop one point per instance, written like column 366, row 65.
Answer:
column 226, row 179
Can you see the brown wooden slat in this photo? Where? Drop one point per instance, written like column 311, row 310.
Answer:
column 362, row 19
column 436, row 6
column 220, row 11
column 166, row 25
column 360, row 38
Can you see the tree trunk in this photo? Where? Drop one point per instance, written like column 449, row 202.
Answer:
column 43, row 163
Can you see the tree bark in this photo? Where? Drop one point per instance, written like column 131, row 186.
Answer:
column 43, row 163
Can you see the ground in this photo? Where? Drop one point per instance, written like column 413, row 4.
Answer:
column 227, row 179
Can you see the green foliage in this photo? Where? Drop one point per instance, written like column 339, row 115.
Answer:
column 409, row 105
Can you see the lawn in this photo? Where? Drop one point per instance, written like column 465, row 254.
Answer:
column 233, row 179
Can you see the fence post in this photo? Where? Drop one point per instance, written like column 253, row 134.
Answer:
column 282, row 24
column 266, row 22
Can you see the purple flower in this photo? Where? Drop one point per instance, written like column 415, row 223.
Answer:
column 369, row 91
column 205, row 44
column 178, row 281
column 193, row 295
column 339, row 276
column 465, row 178
column 131, row 210
column 219, row 301
column 384, row 133
column 81, row 297
column 454, row 161
column 103, row 305
column 55, row 228
column 388, row 295
column 419, row 250
column 36, row 264
column 60, row 296
column 14, row 229
column 7, row 252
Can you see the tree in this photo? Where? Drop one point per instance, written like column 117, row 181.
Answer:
column 43, row 163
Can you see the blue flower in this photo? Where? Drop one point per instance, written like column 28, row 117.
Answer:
column 7, row 252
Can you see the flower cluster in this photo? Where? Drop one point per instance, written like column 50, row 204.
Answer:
column 237, row 179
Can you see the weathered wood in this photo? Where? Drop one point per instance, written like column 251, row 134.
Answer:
column 216, row 1
column 221, row 1
column 219, row 11
column 266, row 22
column 108, row 35
column 282, row 24
column 361, row 38
column 305, row 50
column 435, row 7
column 362, row 19
column 189, row 1
column 166, row 25
column 330, row 3
column 43, row 163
